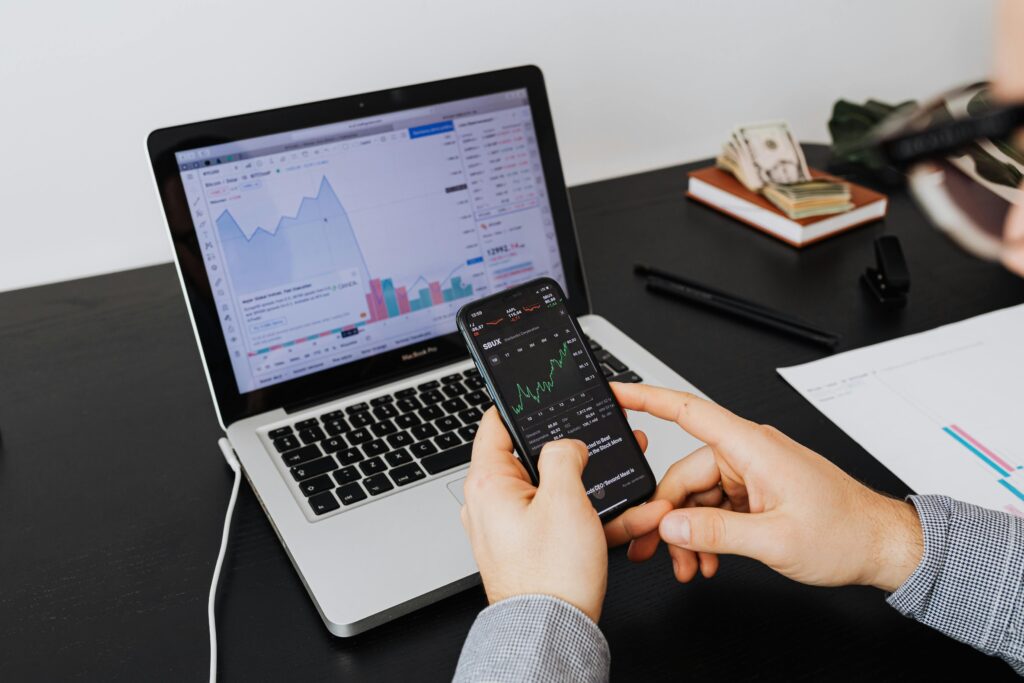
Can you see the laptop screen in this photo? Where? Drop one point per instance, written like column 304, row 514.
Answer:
column 329, row 245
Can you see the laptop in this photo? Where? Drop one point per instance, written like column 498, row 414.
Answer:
column 323, row 250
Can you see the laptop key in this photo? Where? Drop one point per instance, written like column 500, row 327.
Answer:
column 428, row 386
column 447, row 423
column 453, row 405
column 630, row 377
column 472, row 372
column 279, row 432
column 400, row 439
column 306, row 424
column 430, row 413
column 385, row 411
column 375, row 447
column 448, row 379
column 448, row 459
column 349, row 456
column 372, row 466
column 423, row 449
column 323, row 503
column 301, row 455
column 474, row 383
column 346, row 475
column 314, row 468
column 476, row 398
column 399, row 457
column 286, row 443
column 312, row 434
column 357, row 408
column 468, row 432
column 406, row 474
column 407, row 404
column 455, row 389
column 470, row 416
column 384, row 428
column 336, row 426
column 424, row 431
column 407, row 420
column 611, row 361
column 406, row 393
column 316, row 485
column 381, row 400
column 333, row 415
column 350, row 493
column 447, row 440
column 360, row 419
column 333, row 444
column 431, row 397
column 378, row 484
column 359, row 436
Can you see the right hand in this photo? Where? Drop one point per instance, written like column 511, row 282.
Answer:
column 753, row 491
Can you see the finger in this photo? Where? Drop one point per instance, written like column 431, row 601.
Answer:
column 636, row 522
column 643, row 548
column 711, row 498
column 641, row 438
column 696, row 473
column 560, row 468
column 684, row 563
column 719, row 531
column 708, row 564
column 494, row 476
column 492, row 449
column 705, row 420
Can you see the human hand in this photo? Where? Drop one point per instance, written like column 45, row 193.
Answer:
column 528, row 540
column 755, row 492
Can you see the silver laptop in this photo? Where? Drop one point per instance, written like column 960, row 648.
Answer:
column 324, row 250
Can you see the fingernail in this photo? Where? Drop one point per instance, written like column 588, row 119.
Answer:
column 676, row 529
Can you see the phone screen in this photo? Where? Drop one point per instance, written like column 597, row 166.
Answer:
column 547, row 385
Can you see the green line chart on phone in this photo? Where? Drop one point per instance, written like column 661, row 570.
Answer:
column 541, row 387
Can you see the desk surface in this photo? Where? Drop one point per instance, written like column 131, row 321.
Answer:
column 112, row 490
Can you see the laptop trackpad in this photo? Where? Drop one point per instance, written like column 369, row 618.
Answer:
column 456, row 488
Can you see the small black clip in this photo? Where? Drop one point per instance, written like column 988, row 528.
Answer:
column 890, row 282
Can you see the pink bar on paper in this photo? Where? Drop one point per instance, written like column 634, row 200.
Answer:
column 974, row 442
column 1014, row 510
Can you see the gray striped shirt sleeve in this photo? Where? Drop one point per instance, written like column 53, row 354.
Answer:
column 533, row 638
column 970, row 582
column 969, row 585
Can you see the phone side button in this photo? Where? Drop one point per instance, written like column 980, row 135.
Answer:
column 445, row 460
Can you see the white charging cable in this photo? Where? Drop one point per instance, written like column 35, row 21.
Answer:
column 229, row 455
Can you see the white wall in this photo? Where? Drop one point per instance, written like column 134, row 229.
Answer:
column 634, row 85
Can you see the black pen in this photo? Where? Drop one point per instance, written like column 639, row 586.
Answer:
column 748, row 310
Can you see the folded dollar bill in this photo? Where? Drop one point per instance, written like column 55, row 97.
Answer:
column 766, row 158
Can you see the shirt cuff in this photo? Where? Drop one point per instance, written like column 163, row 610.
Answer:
column 968, row 584
column 533, row 637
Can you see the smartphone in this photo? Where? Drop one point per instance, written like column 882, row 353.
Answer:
column 546, row 384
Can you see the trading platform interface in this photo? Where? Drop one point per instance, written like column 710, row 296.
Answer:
column 328, row 245
column 538, row 363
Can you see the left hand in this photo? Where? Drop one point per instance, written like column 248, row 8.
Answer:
column 535, row 540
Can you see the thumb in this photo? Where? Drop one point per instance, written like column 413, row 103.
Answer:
column 561, row 466
column 713, row 530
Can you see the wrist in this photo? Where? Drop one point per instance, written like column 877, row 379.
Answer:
column 898, row 543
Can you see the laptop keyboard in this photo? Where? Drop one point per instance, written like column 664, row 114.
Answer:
column 364, row 450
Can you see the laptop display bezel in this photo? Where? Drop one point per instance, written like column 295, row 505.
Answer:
column 390, row 365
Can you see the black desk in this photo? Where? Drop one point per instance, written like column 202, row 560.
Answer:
column 112, row 490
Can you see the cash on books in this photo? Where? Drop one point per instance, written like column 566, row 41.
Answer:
column 767, row 159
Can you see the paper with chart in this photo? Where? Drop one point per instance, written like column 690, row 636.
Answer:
column 944, row 409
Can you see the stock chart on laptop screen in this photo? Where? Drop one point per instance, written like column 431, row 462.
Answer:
column 328, row 245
